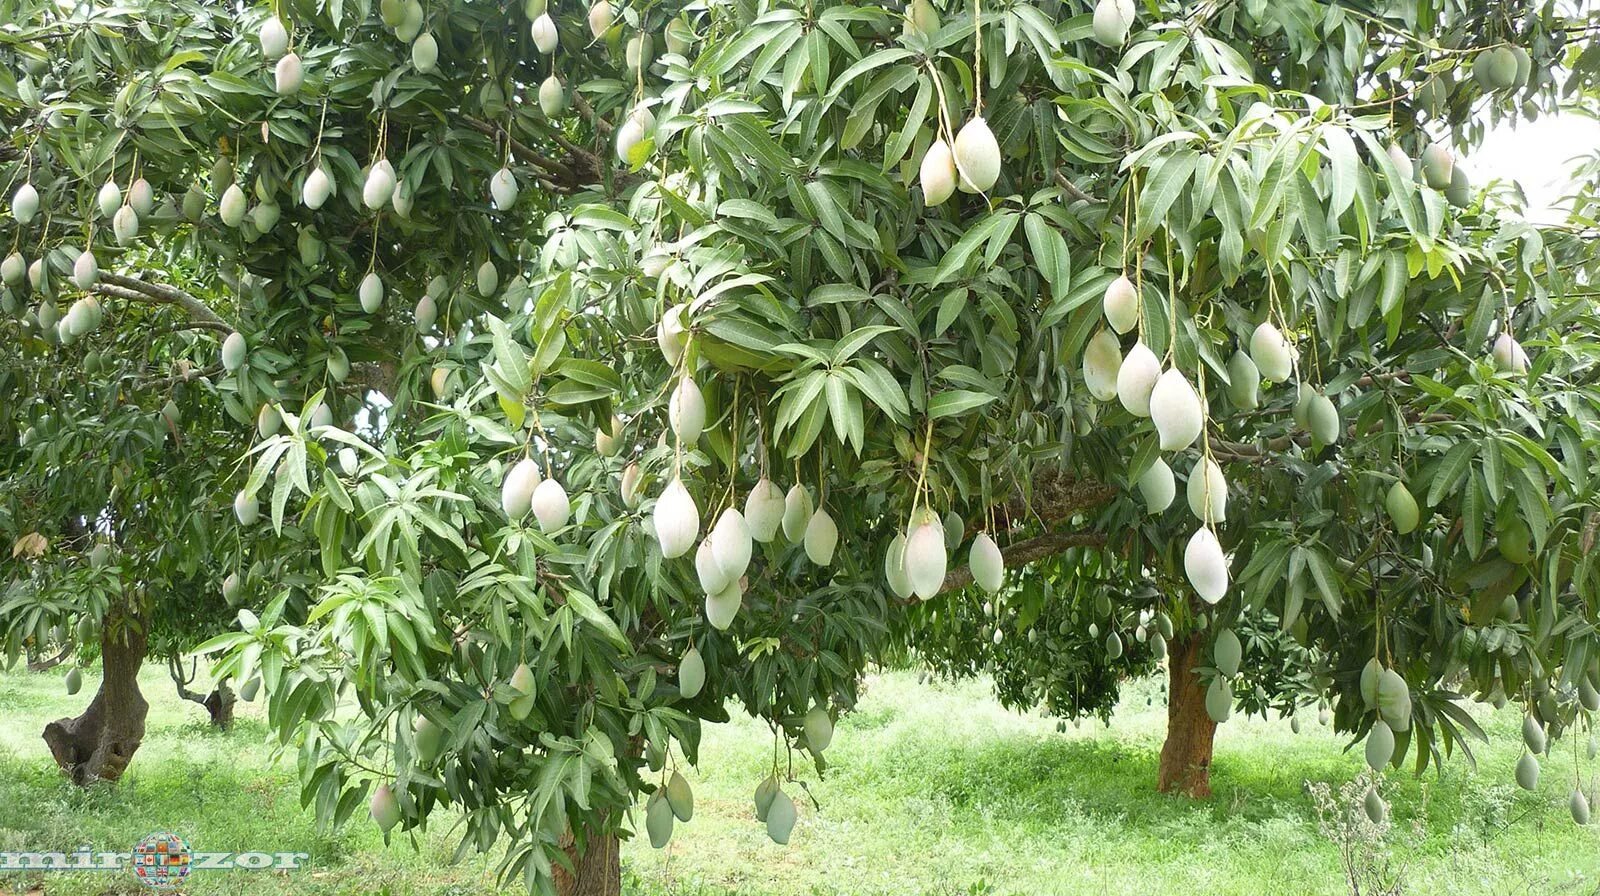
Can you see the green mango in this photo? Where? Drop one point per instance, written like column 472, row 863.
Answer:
column 766, row 791
column 1380, row 745
column 819, row 729
column 1438, row 165
column 1533, row 735
column 691, row 674
column 429, row 740
column 658, row 820
column 1369, row 682
column 1377, row 810
column 680, row 797
column 1515, row 542
column 1524, row 67
column 1459, row 193
column 1227, row 652
column 781, row 818
column 1502, row 68
column 1219, row 700
column 385, row 808
column 1528, row 772
column 1402, row 508
column 1394, row 700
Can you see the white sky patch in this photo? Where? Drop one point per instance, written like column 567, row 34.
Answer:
column 1539, row 156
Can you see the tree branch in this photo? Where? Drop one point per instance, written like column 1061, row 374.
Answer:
column 51, row 663
column 175, row 670
column 586, row 111
column 1056, row 496
column 191, row 325
column 135, row 290
column 1024, row 552
column 1073, row 190
column 183, row 376
column 527, row 154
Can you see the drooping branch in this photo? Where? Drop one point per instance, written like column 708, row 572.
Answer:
column 1056, row 495
column 135, row 290
column 586, row 111
column 527, row 154
column 52, row 662
column 1024, row 552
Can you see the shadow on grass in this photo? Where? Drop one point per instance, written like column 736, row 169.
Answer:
column 213, row 787
column 1020, row 779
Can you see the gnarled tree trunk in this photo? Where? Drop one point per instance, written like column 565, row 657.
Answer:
column 598, row 868
column 99, row 744
column 218, row 703
column 1186, row 756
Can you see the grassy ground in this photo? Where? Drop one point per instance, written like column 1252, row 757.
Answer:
column 934, row 791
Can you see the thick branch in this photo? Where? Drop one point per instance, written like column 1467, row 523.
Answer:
column 175, row 669
column 1058, row 495
column 183, row 376
column 52, row 662
column 1024, row 552
column 135, row 290
column 586, row 111
column 216, row 326
column 526, row 154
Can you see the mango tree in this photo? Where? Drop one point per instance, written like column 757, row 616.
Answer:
column 607, row 363
column 113, row 447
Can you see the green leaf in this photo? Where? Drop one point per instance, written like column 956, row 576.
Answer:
column 956, row 402
column 1049, row 253
column 990, row 227
column 592, row 373
column 589, row 610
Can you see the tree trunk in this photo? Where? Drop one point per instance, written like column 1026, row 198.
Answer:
column 99, row 744
column 219, row 703
column 598, row 868
column 1186, row 756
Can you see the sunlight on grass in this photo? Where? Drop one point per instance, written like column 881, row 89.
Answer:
column 932, row 788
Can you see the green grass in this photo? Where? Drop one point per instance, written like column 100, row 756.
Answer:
column 933, row 789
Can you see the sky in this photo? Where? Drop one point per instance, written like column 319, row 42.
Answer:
column 1537, row 155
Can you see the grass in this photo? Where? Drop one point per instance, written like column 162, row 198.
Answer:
column 934, row 790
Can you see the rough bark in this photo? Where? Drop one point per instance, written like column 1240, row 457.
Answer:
column 598, row 868
column 219, row 703
column 1186, row 755
column 99, row 744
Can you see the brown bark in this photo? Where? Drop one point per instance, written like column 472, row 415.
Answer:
column 99, row 744
column 1186, row 755
column 45, row 665
column 597, row 869
column 218, row 703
